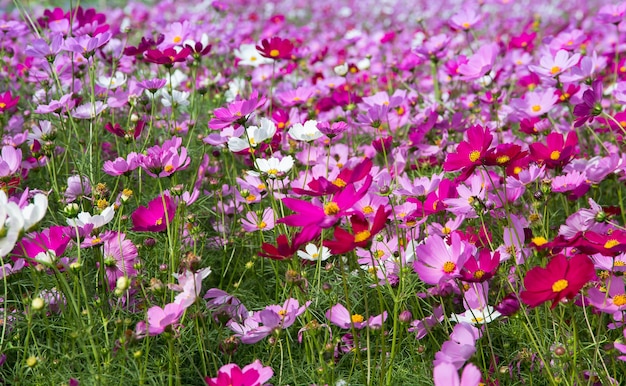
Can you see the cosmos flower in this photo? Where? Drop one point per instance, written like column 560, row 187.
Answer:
column 561, row 278
column 249, row 56
column 439, row 260
column 276, row 48
column 341, row 317
column 254, row 374
column 446, row 374
column 160, row 318
column 469, row 154
column 120, row 257
column 156, row 216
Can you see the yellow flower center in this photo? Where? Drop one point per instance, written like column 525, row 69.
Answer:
column 2, row 105
column 474, row 156
column 503, row 159
column 158, row 221
column 379, row 253
column 446, row 230
column 362, row 236
column 559, row 285
column 619, row 263
column 177, row 39
column 357, row 318
column 477, row 319
column 168, row 168
column 272, row 172
column 479, row 274
column 339, row 182
column 96, row 240
column 536, row 108
column 555, row 155
column 465, row 25
column 331, row 208
column 251, row 198
column 555, row 70
column 274, row 53
column 449, row 267
column 517, row 170
column 262, row 225
column 611, row 243
column 539, row 241
column 253, row 58
column 368, row 209
column 282, row 313
column 619, row 300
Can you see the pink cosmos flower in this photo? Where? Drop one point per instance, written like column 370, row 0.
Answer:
column 612, row 13
column 551, row 66
column 85, row 44
column 190, row 285
column 120, row 257
column 254, row 222
column 160, row 318
column 40, row 48
column 121, row 166
column 165, row 160
column 341, row 317
column 77, row 186
column 263, row 323
column 613, row 300
column 465, row 19
column 480, row 63
column 10, row 161
column 89, row 110
column 156, row 216
column 460, row 347
column 236, row 111
column 446, row 374
column 439, row 261
column 536, row 103
column 253, row 374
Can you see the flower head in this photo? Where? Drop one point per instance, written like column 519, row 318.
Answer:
column 276, row 48
column 156, row 216
column 561, row 278
column 253, row 374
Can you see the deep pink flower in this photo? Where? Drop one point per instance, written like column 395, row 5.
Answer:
column 253, row 374
column 482, row 267
column 168, row 56
column 7, row 101
column 591, row 106
column 561, row 278
column 557, row 151
column 48, row 244
column 471, row 153
column 276, row 48
column 160, row 318
column 156, row 216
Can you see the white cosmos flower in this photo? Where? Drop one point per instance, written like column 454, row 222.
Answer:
column 178, row 97
column 33, row 213
column 249, row 56
column 476, row 316
column 255, row 134
column 274, row 167
column 112, row 82
column 98, row 220
column 313, row 253
column 11, row 224
column 307, row 132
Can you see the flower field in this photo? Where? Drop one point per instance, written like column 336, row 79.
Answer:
column 246, row 193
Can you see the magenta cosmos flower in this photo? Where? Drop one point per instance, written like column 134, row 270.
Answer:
column 471, row 153
column 154, row 217
column 46, row 245
column 254, row 374
column 439, row 261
